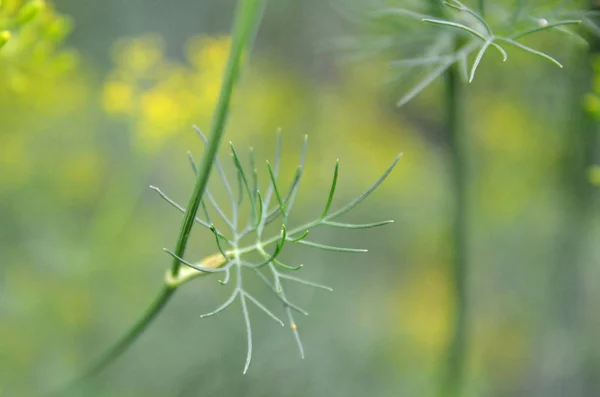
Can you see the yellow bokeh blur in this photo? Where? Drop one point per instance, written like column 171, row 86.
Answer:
column 80, row 143
column 160, row 98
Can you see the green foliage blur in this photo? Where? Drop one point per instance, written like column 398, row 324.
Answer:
column 97, row 101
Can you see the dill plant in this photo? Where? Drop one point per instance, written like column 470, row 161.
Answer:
column 452, row 34
column 26, row 21
column 447, row 40
column 18, row 15
column 31, row 33
column 233, row 259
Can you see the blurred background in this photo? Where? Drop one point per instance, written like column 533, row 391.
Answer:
column 97, row 102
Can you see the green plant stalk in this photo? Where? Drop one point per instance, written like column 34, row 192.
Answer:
column 131, row 335
column 451, row 382
column 453, row 374
column 482, row 8
column 247, row 18
column 567, row 308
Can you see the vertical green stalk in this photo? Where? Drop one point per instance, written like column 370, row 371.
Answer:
column 248, row 13
column 567, row 310
column 455, row 356
column 482, row 8
column 454, row 367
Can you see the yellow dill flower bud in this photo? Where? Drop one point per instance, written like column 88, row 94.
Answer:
column 30, row 10
column 594, row 175
column 4, row 37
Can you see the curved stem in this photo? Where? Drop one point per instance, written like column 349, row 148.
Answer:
column 247, row 18
column 151, row 312
column 126, row 340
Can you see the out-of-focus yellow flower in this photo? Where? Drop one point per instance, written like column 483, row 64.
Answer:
column 425, row 304
column 30, row 41
column 160, row 117
column 40, row 83
column 118, row 97
column 207, row 53
column 30, row 10
column 160, row 97
column 4, row 37
column 208, row 56
column 59, row 28
column 159, row 108
column 594, row 175
column 139, row 56
column 591, row 103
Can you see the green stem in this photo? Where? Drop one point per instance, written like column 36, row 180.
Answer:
column 567, row 309
column 151, row 312
column 456, row 354
column 247, row 19
column 482, row 8
column 114, row 352
column 454, row 367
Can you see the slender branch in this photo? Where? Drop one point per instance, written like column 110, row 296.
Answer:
column 565, row 311
column 247, row 16
column 452, row 379
column 134, row 332
column 248, row 13
column 454, row 371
